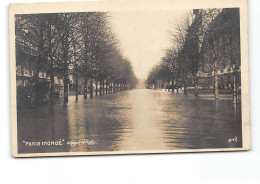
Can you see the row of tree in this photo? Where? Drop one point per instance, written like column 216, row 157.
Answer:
column 79, row 44
column 207, row 40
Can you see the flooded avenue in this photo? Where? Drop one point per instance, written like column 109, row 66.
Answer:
column 134, row 120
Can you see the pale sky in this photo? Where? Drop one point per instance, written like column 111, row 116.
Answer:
column 144, row 35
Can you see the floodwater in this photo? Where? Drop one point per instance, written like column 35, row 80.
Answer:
column 134, row 120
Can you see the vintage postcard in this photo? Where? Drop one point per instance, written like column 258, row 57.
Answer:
column 129, row 77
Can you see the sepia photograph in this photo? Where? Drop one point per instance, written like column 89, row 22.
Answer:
column 128, row 80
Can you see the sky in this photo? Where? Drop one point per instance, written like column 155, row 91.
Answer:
column 144, row 36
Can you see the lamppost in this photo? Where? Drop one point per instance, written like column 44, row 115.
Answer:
column 234, row 68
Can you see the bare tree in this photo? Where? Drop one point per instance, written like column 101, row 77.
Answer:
column 221, row 43
column 179, row 38
column 78, row 45
column 65, row 54
column 31, row 37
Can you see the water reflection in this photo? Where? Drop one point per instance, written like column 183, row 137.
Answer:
column 144, row 116
column 132, row 120
column 41, row 124
column 76, row 126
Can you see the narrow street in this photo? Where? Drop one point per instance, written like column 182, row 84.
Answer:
column 141, row 119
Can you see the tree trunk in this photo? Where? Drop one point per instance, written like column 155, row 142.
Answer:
column 106, row 87
column 85, row 86
column 184, row 84
column 196, row 91
column 185, row 89
column 76, row 89
column 33, row 89
column 91, row 88
column 96, row 88
column 172, row 86
column 66, row 88
column 177, row 87
column 216, row 85
column 103, row 82
column 234, row 90
column 100, row 88
column 33, row 94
